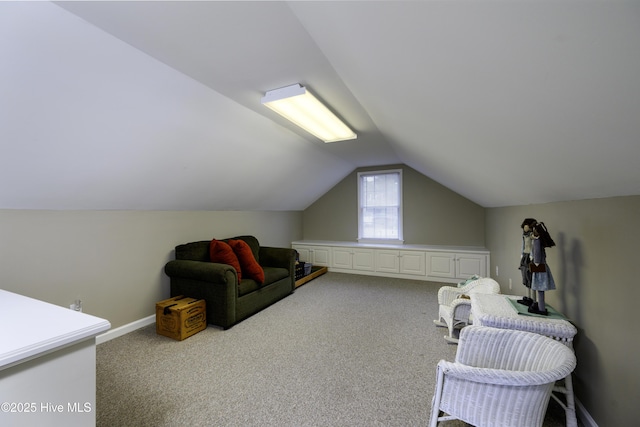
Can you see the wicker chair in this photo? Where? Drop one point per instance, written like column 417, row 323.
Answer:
column 454, row 310
column 500, row 377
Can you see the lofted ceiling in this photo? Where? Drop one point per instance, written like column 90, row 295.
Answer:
column 157, row 104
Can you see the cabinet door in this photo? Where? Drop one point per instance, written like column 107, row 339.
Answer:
column 363, row 259
column 321, row 256
column 304, row 252
column 316, row 255
column 470, row 264
column 441, row 264
column 342, row 258
column 387, row 261
column 412, row 262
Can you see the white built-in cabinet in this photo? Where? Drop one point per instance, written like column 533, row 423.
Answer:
column 435, row 263
column 400, row 262
column 316, row 255
column 456, row 265
column 360, row 259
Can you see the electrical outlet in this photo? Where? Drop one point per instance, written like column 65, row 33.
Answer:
column 497, row 274
column 510, row 284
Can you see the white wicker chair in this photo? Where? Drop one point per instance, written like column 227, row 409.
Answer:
column 455, row 311
column 500, row 377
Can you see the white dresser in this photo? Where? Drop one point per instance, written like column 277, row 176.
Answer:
column 47, row 363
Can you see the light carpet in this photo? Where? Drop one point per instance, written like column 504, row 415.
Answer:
column 343, row 350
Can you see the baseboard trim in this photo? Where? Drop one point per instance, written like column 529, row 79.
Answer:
column 125, row 329
column 584, row 416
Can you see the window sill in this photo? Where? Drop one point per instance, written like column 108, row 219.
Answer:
column 382, row 241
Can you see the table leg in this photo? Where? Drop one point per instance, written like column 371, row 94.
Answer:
column 570, row 405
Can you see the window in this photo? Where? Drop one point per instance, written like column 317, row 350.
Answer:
column 380, row 206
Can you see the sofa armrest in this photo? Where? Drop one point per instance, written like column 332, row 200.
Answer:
column 216, row 283
column 212, row 272
column 278, row 257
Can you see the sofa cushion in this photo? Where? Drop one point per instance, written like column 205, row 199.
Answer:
column 250, row 267
column 273, row 274
column 221, row 252
column 253, row 243
column 246, row 286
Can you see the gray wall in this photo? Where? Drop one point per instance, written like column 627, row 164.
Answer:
column 114, row 260
column 592, row 265
column 433, row 214
column 596, row 288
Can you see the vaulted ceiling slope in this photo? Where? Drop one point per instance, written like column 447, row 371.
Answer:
column 156, row 105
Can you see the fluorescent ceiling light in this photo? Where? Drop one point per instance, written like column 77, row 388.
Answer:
column 296, row 104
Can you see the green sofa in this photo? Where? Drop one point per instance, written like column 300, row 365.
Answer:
column 228, row 302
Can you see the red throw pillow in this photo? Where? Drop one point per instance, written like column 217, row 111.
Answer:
column 221, row 252
column 248, row 263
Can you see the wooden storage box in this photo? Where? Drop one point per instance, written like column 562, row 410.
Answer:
column 180, row 317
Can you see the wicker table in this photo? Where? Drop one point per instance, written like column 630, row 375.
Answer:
column 498, row 312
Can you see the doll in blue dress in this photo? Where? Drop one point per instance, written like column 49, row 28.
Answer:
column 525, row 259
column 541, row 278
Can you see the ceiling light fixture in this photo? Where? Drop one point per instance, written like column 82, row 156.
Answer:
column 296, row 104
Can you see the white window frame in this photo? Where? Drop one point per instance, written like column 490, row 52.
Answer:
column 361, row 238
